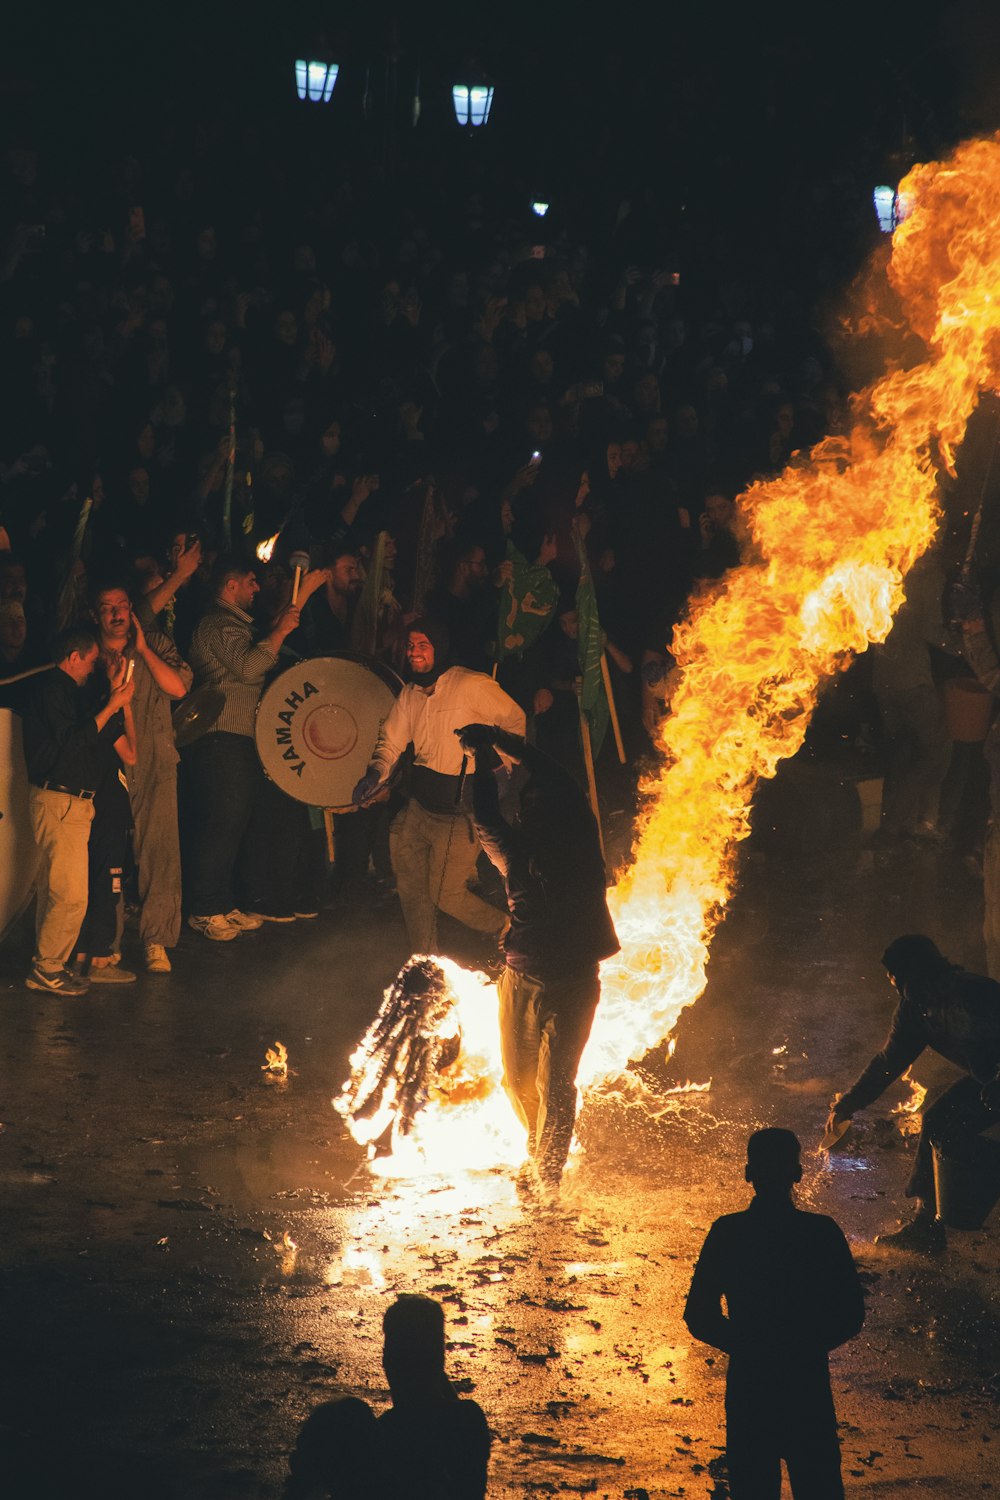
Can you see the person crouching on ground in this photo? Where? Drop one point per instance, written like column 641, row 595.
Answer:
column 957, row 1014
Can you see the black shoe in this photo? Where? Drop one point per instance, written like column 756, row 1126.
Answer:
column 57, row 981
column 923, row 1235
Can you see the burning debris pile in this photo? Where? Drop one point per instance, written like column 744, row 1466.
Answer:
column 413, row 1040
column 425, row 1078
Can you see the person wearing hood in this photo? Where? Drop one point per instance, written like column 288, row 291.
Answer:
column 560, row 930
column 432, row 843
column 957, row 1015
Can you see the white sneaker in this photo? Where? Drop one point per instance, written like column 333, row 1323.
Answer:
column 243, row 921
column 157, row 961
column 218, row 928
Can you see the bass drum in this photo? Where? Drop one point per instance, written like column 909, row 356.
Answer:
column 317, row 725
column 19, row 856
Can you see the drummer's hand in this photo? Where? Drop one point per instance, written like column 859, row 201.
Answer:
column 477, row 737
column 365, row 787
column 287, row 621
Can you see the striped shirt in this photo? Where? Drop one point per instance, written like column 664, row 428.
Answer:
column 225, row 655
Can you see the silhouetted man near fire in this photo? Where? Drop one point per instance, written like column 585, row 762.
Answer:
column 792, row 1294
column 957, row 1014
column 560, row 929
column 430, row 1445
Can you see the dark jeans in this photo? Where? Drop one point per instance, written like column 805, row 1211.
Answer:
column 544, row 1028
column 773, row 1417
column 954, row 1123
column 277, row 871
column 105, row 863
column 226, row 781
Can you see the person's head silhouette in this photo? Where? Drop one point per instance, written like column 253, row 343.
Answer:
column 773, row 1162
column 413, row 1350
column 333, row 1451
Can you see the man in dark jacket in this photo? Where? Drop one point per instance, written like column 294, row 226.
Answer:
column 64, row 748
column 792, row 1294
column 560, row 929
column 958, row 1015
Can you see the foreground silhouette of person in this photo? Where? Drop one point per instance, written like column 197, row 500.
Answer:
column 431, row 1445
column 792, row 1294
column 333, row 1457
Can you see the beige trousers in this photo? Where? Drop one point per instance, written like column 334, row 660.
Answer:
column 61, row 825
column 434, row 859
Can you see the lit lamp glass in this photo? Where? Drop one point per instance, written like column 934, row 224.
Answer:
column 472, row 102
column 539, row 208
column 885, row 207
column 314, row 81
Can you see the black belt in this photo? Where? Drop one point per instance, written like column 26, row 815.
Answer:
column 70, row 791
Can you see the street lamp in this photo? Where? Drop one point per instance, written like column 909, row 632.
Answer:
column 885, row 208
column 472, row 102
column 315, row 80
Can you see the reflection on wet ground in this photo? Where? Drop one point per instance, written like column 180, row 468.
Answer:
column 194, row 1255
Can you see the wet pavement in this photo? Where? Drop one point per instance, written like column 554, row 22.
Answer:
column 162, row 1339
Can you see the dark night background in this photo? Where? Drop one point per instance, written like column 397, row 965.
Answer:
column 751, row 124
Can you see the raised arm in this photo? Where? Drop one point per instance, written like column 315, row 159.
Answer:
column 164, row 672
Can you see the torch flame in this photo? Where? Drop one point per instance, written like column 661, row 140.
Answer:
column 831, row 540
column 266, row 549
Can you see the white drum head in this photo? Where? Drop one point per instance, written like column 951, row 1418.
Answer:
column 317, row 725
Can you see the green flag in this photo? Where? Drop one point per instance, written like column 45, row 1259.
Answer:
column 590, row 649
column 527, row 604
column 66, row 606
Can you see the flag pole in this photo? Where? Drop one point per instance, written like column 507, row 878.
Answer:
column 619, row 742
column 588, row 760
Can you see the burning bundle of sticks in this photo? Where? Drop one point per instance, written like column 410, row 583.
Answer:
column 412, row 1040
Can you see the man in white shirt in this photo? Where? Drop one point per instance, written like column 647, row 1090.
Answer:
column 432, row 841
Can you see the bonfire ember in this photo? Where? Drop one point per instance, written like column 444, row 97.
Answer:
column 275, row 1064
column 907, row 1112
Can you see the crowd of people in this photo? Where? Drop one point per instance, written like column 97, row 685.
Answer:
column 428, row 404
column 449, row 409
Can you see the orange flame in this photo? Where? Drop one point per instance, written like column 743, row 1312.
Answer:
column 275, row 1063
column 265, row 550
column 287, row 1252
column 907, row 1111
column 832, row 539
